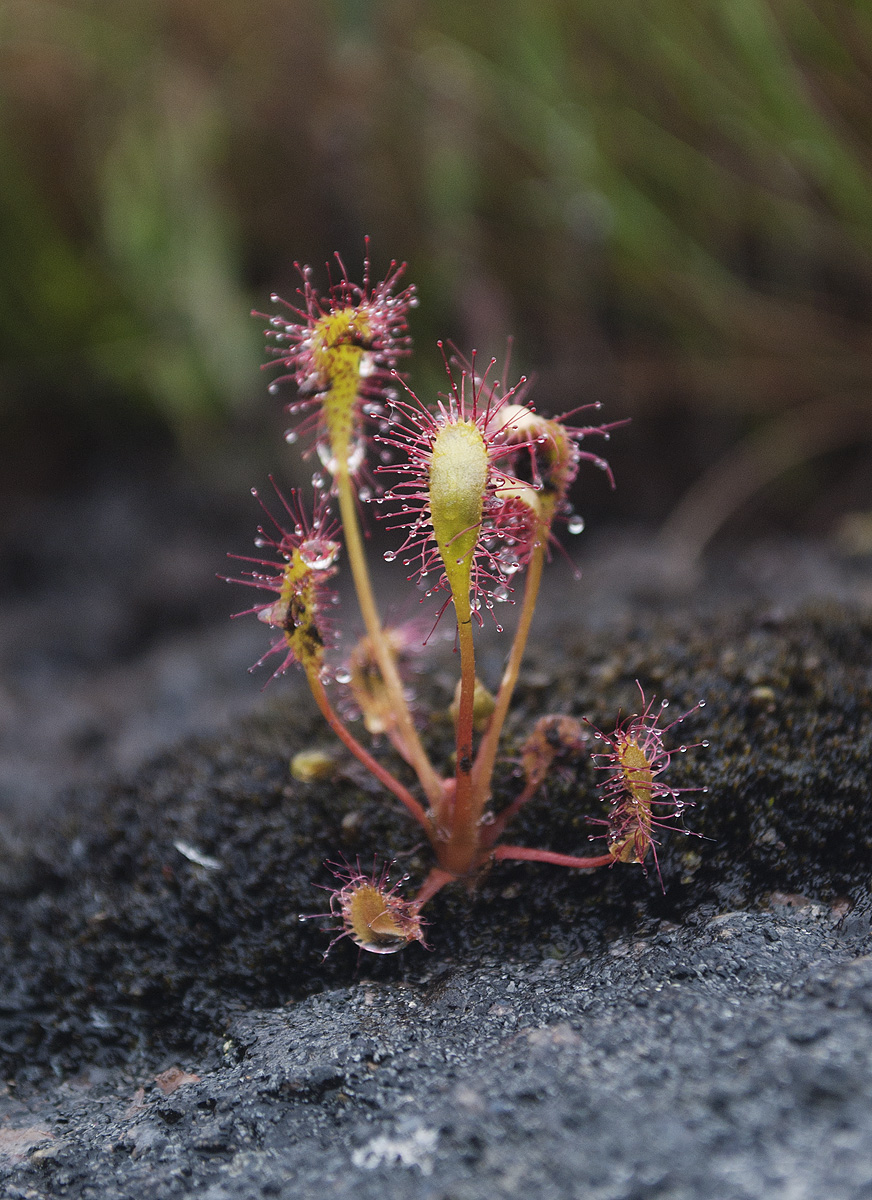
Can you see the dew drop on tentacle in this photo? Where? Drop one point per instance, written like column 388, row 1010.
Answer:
column 575, row 524
column 318, row 553
column 389, row 555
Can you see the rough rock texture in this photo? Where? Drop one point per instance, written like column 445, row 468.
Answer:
column 731, row 1059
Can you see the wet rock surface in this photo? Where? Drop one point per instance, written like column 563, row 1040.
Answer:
column 729, row 1059
column 168, row 1025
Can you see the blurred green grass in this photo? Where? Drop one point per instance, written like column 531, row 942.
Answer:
column 668, row 205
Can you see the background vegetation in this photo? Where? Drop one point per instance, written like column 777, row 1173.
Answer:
column 667, row 204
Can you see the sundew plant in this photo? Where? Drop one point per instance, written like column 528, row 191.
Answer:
column 471, row 486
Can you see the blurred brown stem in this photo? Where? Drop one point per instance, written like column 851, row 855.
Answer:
column 804, row 433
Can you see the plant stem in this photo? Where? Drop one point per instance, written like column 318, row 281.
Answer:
column 348, row 739
column 487, row 751
column 526, row 854
column 430, row 781
column 494, row 831
column 434, row 882
column 459, row 851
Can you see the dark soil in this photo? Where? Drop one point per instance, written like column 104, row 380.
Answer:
column 115, row 942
